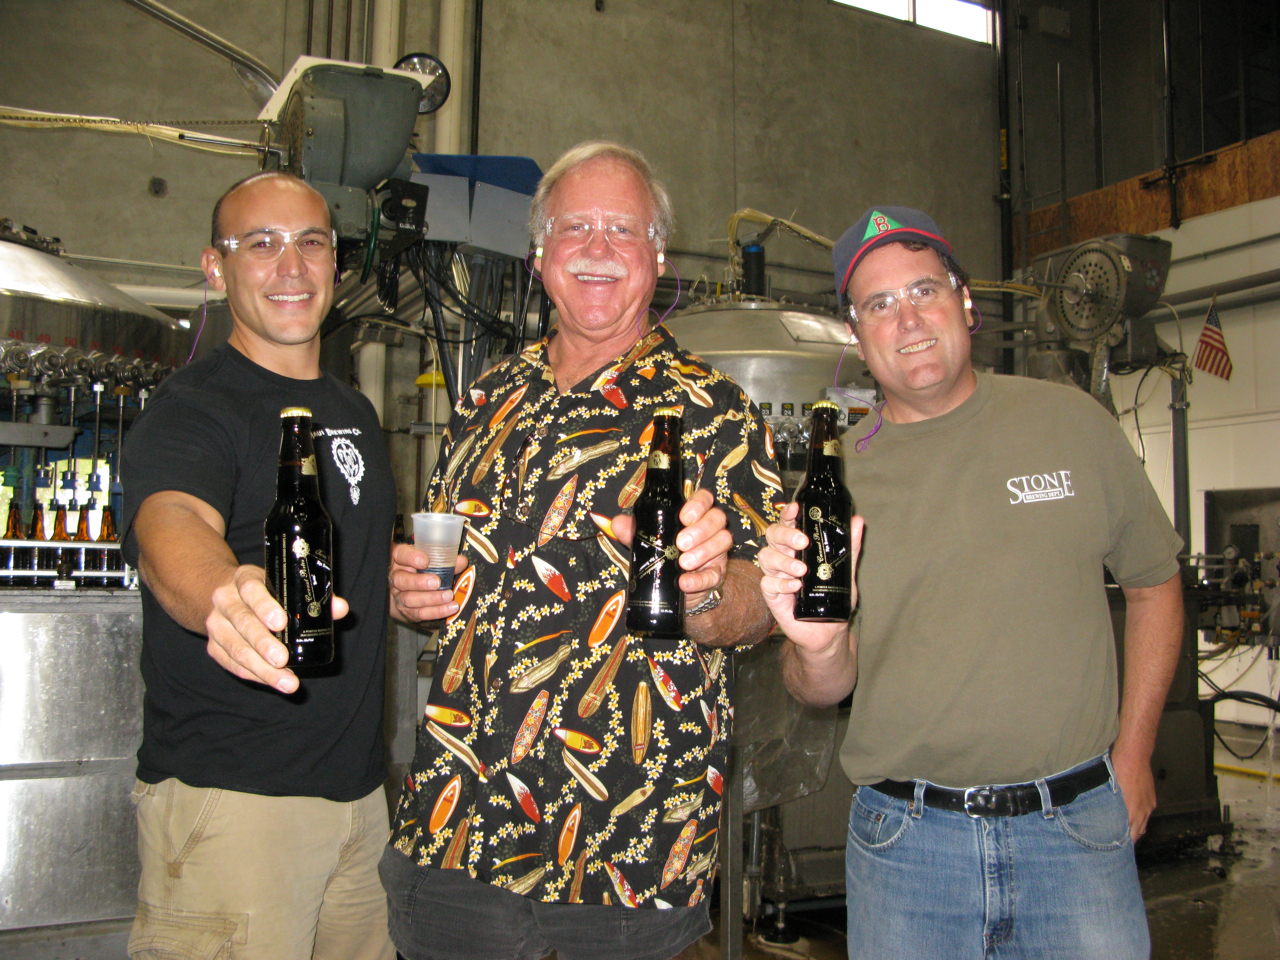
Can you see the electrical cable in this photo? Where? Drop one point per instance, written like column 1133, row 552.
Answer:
column 423, row 269
column 1242, row 696
column 434, row 301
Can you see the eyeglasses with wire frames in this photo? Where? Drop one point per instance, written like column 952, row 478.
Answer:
column 927, row 293
column 313, row 243
column 618, row 230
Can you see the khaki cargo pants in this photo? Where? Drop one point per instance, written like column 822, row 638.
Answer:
column 237, row 876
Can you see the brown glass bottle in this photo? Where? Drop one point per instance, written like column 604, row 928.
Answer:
column 64, row 557
column 655, row 604
column 83, row 553
column 299, row 550
column 106, row 560
column 825, row 510
column 46, row 558
column 11, row 558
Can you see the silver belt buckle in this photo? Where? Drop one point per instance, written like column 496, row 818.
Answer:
column 979, row 802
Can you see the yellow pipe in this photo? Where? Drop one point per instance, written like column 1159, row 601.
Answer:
column 1246, row 771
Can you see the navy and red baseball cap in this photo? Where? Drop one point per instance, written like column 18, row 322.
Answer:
column 875, row 228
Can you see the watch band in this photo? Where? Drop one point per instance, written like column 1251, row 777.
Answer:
column 709, row 602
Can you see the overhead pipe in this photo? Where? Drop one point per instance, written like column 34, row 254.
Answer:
column 253, row 73
column 1004, row 198
column 448, row 119
column 477, row 34
column 384, row 50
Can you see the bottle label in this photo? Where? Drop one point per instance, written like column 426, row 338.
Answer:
column 659, row 460
column 831, row 448
column 828, row 549
column 302, row 551
column 309, row 466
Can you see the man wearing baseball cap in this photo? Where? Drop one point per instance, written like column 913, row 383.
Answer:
column 999, row 790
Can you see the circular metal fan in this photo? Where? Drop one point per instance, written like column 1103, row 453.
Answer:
column 1087, row 295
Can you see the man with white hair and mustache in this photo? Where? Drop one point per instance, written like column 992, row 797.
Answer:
column 565, row 793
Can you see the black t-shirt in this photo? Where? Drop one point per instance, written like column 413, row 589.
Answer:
column 212, row 430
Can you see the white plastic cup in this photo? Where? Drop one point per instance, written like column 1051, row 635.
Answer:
column 439, row 535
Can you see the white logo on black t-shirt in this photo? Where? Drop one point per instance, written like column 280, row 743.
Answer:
column 349, row 461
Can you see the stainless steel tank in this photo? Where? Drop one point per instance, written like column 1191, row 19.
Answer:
column 784, row 356
column 45, row 300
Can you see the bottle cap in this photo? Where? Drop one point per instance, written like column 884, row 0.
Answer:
column 826, row 405
column 668, row 412
column 294, row 412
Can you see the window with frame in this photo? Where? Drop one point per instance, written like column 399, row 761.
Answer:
column 969, row 20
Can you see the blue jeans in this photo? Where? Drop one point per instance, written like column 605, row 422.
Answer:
column 929, row 884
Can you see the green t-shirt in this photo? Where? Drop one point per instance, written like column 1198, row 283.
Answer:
column 985, row 650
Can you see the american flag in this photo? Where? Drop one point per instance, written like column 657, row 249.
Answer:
column 1211, row 351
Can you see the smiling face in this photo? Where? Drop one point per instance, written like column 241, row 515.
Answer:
column 920, row 358
column 600, row 279
column 277, row 306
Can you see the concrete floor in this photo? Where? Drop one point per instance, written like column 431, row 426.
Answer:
column 1206, row 905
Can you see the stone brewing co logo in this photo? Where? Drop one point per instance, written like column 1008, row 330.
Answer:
column 348, row 460
column 1039, row 487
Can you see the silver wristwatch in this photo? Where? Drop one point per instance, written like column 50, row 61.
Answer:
column 709, row 602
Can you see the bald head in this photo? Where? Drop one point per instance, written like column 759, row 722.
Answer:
column 216, row 234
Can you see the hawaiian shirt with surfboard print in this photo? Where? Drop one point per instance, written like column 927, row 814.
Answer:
column 561, row 757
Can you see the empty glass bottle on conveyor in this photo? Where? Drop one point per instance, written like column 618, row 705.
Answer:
column 299, row 550
column 46, row 557
column 64, row 558
column 12, row 558
column 83, row 553
column 108, row 561
column 655, row 605
column 825, row 510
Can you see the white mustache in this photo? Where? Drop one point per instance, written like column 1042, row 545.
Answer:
column 597, row 268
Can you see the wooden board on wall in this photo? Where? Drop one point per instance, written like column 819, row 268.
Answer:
column 1219, row 184
column 1092, row 214
column 1262, row 163
column 1238, row 174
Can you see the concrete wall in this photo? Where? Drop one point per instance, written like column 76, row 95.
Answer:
column 803, row 109
column 103, row 57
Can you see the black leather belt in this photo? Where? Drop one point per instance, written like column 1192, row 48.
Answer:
column 1014, row 800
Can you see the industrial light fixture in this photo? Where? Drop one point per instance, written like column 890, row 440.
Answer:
column 435, row 86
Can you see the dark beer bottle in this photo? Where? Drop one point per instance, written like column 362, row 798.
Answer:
column 655, row 605
column 46, row 558
column 11, row 558
column 82, row 553
column 825, row 509
column 299, row 550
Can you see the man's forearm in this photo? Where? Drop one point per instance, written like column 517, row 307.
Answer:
column 741, row 617
column 1152, row 643
column 181, row 559
column 819, row 677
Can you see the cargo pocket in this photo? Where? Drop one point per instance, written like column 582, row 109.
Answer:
column 160, row 934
